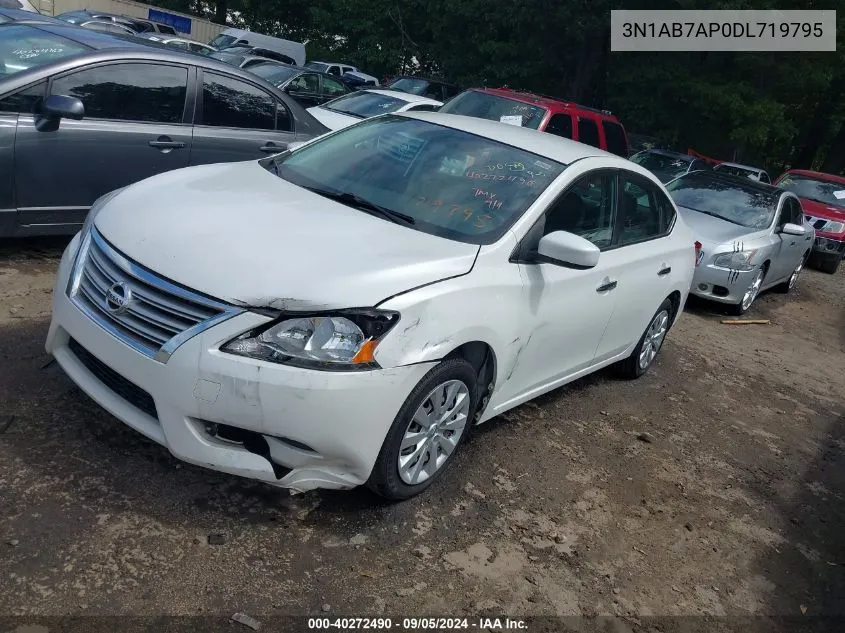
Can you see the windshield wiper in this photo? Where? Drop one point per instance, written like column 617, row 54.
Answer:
column 353, row 200
column 716, row 215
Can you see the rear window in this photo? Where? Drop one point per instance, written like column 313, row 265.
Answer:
column 23, row 47
column 273, row 73
column 74, row 17
column 483, row 105
column 229, row 58
column 222, row 41
column 318, row 66
column 736, row 171
column 615, row 137
column 365, row 104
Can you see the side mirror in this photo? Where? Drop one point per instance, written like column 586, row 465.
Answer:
column 62, row 107
column 793, row 229
column 567, row 249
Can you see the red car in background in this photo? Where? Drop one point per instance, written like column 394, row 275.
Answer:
column 823, row 200
column 598, row 128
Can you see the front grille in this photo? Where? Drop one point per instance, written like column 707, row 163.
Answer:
column 156, row 313
column 127, row 390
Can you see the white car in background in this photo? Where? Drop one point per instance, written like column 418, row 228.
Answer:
column 344, row 313
column 746, row 171
column 363, row 104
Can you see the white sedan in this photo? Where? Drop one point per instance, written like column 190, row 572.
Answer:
column 363, row 104
column 343, row 313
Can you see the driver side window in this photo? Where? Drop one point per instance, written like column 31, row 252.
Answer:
column 587, row 209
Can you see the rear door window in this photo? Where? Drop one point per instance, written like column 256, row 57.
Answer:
column 228, row 102
column 614, row 135
column 588, row 132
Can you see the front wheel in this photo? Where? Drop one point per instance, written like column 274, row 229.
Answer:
column 650, row 343
column 750, row 293
column 431, row 425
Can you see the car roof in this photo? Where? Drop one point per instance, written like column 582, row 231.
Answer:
column 818, row 175
column 557, row 148
column 740, row 182
column 113, row 47
column 20, row 15
column 404, row 96
column 550, row 103
column 740, row 166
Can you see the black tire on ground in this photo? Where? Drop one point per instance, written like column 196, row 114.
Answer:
column 385, row 480
column 630, row 367
column 829, row 263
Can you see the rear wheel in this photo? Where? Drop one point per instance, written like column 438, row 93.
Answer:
column 650, row 343
column 431, row 425
column 789, row 284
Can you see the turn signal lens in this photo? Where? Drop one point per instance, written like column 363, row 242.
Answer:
column 697, row 253
column 365, row 353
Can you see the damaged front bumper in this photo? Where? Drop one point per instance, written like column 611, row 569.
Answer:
column 720, row 284
column 290, row 427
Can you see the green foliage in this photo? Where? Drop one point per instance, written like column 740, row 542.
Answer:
column 774, row 109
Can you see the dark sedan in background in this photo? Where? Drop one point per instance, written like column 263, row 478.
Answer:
column 668, row 165
column 84, row 112
column 308, row 87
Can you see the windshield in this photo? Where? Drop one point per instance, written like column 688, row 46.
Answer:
column 734, row 170
column 274, row 73
column 410, row 85
column 666, row 167
column 486, row 106
column 824, row 191
column 23, row 47
column 229, row 58
column 222, row 41
column 449, row 182
column 365, row 104
column 747, row 206
column 319, row 66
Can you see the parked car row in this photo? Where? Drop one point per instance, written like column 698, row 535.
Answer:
column 820, row 198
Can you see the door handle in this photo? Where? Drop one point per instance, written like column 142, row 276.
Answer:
column 165, row 143
column 606, row 285
column 272, row 147
column 664, row 271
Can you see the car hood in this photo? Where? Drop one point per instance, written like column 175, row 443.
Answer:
column 711, row 230
column 239, row 233
column 332, row 120
column 818, row 209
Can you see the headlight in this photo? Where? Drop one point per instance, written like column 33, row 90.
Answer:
column 344, row 340
column 834, row 227
column 735, row 261
column 95, row 208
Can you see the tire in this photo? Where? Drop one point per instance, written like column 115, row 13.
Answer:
column 743, row 306
column 789, row 284
column 389, row 478
column 632, row 367
column 829, row 263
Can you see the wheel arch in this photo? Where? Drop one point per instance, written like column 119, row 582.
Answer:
column 482, row 357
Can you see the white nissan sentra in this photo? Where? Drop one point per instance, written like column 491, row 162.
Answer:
column 343, row 313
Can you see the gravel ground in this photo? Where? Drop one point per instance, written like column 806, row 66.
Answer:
column 732, row 507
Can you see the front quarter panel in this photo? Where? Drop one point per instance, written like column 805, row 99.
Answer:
column 484, row 305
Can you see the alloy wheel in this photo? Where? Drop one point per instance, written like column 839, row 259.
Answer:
column 654, row 336
column 752, row 291
column 433, row 432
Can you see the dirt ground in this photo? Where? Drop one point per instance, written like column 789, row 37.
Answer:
column 736, row 507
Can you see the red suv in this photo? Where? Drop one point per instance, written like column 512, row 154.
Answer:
column 598, row 128
column 823, row 200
